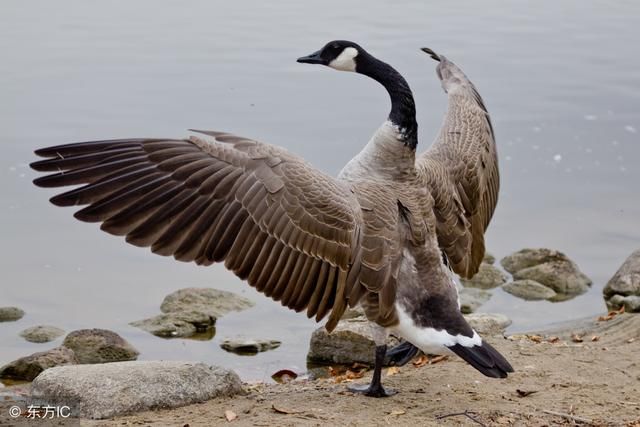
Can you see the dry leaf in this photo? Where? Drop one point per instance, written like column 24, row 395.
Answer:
column 437, row 359
column 576, row 338
column 553, row 339
column 284, row 376
column 630, row 340
column 420, row 361
column 349, row 376
column 340, row 378
column 283, row 410
column 352, row 375
column 358, row 366
column 525, row 393
column 397, row 412
column 535, row 338
column 392, row 370
column 611, row 315
column 595, row 338
column 230, row 415
column 340, row 374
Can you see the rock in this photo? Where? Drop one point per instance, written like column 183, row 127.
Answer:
column 29, row 367
column 176, row 324
column 626, row 281
column 488, row 258
column 212, row 302
column 108, row 390
column 529, row 290
column 10, row 314
column 471, row 299
column 563, row 277
column 41, row 333
column 99, row 346
column 550, row 268
column 488, row 323
column 352, row 313
column 248, row 346
column 631, row 303
column 529, row 257
column 351, row 341
column 487, row 277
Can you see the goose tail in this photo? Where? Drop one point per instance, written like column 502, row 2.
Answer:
column 484, row 358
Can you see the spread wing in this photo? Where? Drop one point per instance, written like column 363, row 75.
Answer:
column 461, row 171
column 292, row 232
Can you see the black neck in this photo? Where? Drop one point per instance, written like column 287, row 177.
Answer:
column 403, row 107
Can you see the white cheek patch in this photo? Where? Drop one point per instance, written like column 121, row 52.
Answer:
column 345, row 61
column 431, row 340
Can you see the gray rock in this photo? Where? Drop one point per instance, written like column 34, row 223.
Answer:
column 351, row 341
column 471, row 299
column 488, row 323
column 626, row 281
column 10, row 314
column 176, row 324
column 212, row 302
column 248, row 346
column 487, row 277
column 41, row 333
column 631, row 303
column 529, row 290
column 529, row 257
column 99, row 346
column 550, row 268
column 488, row 258
column 108, row 390
column 352, row 313
column 29, row 367
column 561, row 276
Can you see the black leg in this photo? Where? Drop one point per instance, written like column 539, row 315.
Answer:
column 375, row 389
column 401, row 354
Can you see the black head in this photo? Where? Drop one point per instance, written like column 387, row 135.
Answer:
column 338, row 54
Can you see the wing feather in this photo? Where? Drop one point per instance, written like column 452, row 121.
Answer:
column 291, row 231
column 461, row 171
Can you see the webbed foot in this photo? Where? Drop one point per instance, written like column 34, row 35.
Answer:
column 401, row 354
column 371, row 390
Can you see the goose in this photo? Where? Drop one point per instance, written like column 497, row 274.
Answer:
column 388, row 233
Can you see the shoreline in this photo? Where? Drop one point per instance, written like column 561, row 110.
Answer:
column 558, row 380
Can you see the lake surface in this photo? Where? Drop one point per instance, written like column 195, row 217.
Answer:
column 561, row 81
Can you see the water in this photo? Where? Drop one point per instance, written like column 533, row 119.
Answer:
column 560, row 79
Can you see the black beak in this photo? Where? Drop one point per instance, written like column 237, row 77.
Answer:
column 314, row 58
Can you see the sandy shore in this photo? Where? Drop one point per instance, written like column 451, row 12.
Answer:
column 563, row 382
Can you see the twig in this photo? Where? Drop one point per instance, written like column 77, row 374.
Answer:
column 568, row 416
column 465, row 413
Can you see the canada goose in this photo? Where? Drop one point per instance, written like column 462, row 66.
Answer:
column 384, row 234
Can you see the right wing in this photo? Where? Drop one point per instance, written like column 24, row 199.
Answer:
column 294, row 233
column 461, row 171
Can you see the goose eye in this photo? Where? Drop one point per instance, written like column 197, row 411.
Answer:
column 335, row 46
